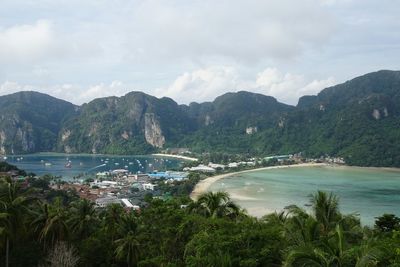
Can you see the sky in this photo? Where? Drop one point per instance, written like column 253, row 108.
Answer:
column 193, row 50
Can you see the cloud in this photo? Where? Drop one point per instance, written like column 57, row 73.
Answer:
column 197, row 86
column 208, row 83
column 25, row 43
column 202, row 85
column 244, row 31
column 288, row 87
column 73, row 93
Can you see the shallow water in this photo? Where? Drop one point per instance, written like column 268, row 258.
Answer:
column 88, row 164
column 365, row 191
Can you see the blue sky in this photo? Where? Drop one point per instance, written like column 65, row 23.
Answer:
column 193, row 50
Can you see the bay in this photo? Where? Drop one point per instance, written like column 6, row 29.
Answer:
column 369, row 192
column 73, row 165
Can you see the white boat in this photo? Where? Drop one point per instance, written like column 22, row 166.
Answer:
column 47, row 164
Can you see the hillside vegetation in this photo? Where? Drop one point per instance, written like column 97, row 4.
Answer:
column 358, row 120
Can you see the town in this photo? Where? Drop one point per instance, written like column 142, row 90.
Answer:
column 132, row 190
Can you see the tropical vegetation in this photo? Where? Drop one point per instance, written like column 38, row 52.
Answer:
column 40, row 228
column 356, row 120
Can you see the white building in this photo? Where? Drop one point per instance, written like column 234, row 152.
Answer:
column 216, row 166
column 149, row 186
column 233, row 165
column 202, row 168
column 105, row 201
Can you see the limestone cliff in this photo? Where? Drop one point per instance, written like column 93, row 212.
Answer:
column 152, row 131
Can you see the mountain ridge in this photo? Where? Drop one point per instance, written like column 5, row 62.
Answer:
column 354, row 119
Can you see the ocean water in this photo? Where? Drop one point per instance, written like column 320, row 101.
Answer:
column 87, row 165
column 368, row 192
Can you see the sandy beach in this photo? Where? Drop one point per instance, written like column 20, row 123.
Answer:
column 174, row 156
column 202, row 186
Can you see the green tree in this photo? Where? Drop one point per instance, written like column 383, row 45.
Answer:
column 215, row 205
column 387, row 223
column 51, row 222
column 127, row 243
column 13, row 211
column 82, row 218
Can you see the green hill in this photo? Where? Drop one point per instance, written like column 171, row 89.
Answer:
column 358, row 120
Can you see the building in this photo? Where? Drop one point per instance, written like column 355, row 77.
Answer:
column 202, row 168
column 216, row 166
column 233, row 165
column 168, row 175
column 149, row 186
column 107, row 200
column 128, row 205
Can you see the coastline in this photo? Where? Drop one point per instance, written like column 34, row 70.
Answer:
column 174, row 156
column 203, row 186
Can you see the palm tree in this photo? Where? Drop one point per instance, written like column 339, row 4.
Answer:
column 83, row 217
column 326, row 252
column 215, row 205
column 128, row 244
column 326, row 209
column 13, row 211
column 51, row 222
column 320, row 240
column 112, row 218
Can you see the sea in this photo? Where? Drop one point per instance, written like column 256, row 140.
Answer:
column 70, row 166
column 364, row 192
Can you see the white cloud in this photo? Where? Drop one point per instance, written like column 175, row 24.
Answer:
column 202, row 85
column 288, row 87
column 198, row 86
column 73, row 93
column 245, row 31
column 206, row 84
column 25, row 43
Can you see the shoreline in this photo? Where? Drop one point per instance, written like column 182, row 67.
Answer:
column 174, row 156
column 203, row 185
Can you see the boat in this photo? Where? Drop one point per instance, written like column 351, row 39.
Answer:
column 47, row 164
column 68, row 165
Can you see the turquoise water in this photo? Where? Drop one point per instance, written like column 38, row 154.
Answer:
column 364, row 191
column 88, row 164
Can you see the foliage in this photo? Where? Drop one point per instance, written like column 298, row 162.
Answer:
column 356, row 120
column 211, row 231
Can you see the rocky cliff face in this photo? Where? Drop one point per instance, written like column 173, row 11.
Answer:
column 2, row 143
column 30, row 122
column 134, row 123
column 358, row 119
column 152, row 131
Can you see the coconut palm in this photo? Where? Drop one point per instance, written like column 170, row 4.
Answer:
column 82, row 218
column 326, row 209
column 112, row 218
column 51, row 222
column 13, row 211
column 326, row 252
column 216, row 205
column 128, row 244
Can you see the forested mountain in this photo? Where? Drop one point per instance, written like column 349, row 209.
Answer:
column 358, row 120
column 31, row 121
column 135, row 123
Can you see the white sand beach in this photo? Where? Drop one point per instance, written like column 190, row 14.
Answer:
column 203, row 186
column 174, row 156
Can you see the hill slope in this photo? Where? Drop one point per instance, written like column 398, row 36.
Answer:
column 31, row 121
column 358, row 120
